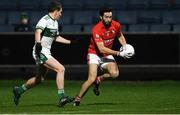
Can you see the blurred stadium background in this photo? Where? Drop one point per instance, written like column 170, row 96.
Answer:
column 151, row 26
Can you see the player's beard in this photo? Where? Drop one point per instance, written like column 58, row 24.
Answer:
column 107, row 24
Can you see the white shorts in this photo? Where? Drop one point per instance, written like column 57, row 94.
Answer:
column 44, row 56
column 102, row 61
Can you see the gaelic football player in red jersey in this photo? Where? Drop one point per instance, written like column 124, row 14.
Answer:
column 100, row 53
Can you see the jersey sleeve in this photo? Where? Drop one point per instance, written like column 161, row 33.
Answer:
column 41, row 24
column 96, row 35
column 118, row 29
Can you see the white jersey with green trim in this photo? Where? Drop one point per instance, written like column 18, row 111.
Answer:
column 49, row 29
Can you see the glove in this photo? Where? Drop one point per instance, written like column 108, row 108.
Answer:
column 122, row 53
column 126, row 51
column 38, row 49
column 127, row 56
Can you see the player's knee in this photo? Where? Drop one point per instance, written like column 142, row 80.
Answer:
column 60, row 69
column 91, row 80
column 114, row 74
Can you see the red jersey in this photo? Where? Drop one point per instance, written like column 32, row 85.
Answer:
column 105, row 35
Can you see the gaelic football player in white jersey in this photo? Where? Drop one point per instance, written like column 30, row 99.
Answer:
column 46, row 32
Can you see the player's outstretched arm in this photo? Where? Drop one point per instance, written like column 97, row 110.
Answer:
column 38, row 35
column 122, row 39
column 106, row 50
column 63, row 40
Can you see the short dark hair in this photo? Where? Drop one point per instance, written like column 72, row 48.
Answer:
column 54, row 5
column 103, row 10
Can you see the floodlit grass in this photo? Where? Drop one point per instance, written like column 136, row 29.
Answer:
column 152, row 97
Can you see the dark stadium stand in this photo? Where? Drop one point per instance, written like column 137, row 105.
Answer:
column 35, row 16
column 82, row 17
column 43, row 5
column 171, row 17
column 138, row 4
column 8, row 5
column 149, row 17
column 3, row 16
column 141, row 21
column 127, row 17
column 87, row 28
column 6, row 28
column 176, row 28
column 71, row 28
column 138, row 28
column 66, row 18
column 159, row 4
column 33, row 4
column 93, row 4
column 175, row 4
column 116, row 5
column 72, row 5
column 131, row 13
column 13, row 17
column 160, row 28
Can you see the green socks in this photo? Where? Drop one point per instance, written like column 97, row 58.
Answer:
column 22, row 89
column 61, row 93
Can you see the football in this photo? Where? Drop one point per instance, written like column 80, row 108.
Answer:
column 128, row 50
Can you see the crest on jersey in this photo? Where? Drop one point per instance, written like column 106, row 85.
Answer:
column 97, row 36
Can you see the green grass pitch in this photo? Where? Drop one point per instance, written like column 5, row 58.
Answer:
column 117, row 97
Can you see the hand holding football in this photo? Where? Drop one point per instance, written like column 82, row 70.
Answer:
column 127, row 51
